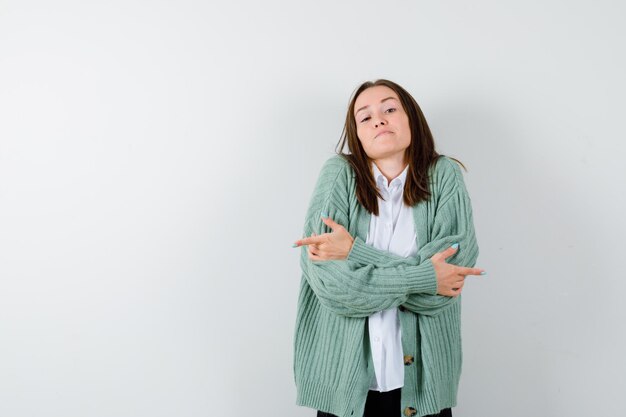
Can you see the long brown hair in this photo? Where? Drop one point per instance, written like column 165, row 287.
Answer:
column 421, row 152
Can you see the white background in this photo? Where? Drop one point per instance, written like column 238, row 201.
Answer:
column 157, row 160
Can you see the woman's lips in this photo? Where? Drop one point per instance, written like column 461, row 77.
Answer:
column 382, row 133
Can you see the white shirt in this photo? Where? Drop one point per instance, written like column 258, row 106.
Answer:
column 392, row 230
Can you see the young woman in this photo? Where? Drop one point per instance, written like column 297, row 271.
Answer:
column 390, row 242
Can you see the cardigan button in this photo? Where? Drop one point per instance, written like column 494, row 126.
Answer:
column 410, row 411
column 408, row 360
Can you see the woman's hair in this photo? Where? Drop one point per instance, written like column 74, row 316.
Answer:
column 420, row 153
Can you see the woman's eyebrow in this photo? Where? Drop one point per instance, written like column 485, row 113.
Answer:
column 383, row 100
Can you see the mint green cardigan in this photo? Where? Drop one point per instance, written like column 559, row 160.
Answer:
column 332, row 358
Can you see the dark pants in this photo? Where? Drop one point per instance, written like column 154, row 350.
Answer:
column 386, row 404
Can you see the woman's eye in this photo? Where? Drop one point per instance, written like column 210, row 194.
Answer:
column 365, row 119
column 391, row 109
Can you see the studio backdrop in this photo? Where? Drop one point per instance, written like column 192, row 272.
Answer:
column 157, row 159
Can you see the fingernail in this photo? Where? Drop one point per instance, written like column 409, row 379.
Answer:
column 483, row 273
column 324, row 214
column 295, row 245
column 456, row 245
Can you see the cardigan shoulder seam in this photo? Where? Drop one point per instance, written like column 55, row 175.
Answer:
column 450, row 178
column 456, row 168
column 334, row 162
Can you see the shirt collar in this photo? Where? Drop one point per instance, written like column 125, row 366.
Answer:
column 381, row 180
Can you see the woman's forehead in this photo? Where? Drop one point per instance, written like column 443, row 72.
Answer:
column 373, row 96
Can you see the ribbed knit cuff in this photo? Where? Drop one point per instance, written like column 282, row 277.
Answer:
column 422, row 278
column 363, row 253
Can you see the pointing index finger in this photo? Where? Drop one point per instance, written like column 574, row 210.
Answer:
column 475, row 271
column 308, row 241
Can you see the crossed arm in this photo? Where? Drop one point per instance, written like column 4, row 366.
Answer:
column 371, row 280
column 451, row 231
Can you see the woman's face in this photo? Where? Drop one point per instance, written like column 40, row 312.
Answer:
column 382, row 125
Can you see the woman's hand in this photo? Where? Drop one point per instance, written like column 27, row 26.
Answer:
column 328, row 246
column 450, row 277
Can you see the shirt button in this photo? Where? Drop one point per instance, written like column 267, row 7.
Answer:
column 408, row 360
column 377, row 339
column 410, row 411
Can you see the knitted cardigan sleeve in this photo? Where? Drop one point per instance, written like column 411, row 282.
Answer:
column 348, row 288
column 453, row 223
column 372, row 280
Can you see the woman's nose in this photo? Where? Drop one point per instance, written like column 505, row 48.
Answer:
column 382, row 123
